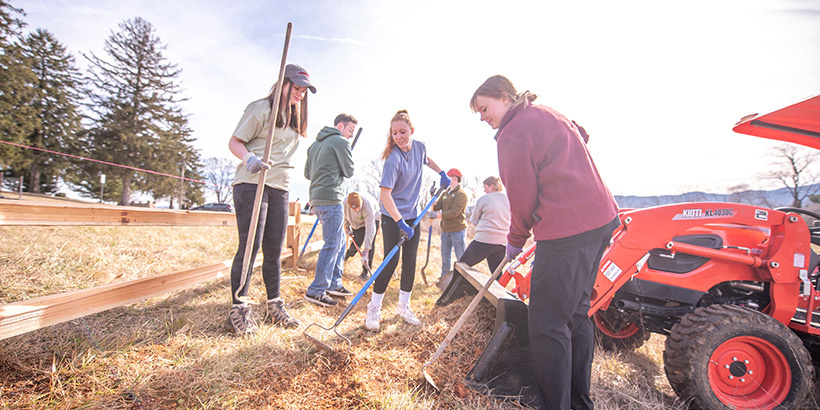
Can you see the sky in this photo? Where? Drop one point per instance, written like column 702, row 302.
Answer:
column 658, row 85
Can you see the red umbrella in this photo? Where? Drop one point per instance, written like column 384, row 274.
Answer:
column 798, row 123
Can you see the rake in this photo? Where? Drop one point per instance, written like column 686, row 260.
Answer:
column 364, row 288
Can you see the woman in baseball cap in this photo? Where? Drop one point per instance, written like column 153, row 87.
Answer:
column 248, row 144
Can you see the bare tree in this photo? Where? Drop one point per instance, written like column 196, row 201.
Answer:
column 219, row 172
column 366, row 178
column 794, row 168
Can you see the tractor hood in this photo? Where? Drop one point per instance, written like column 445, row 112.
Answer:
column 798, row 123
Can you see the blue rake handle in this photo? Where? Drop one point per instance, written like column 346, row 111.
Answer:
column 306, row 243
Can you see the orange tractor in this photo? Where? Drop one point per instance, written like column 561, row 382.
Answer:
column 734, row 288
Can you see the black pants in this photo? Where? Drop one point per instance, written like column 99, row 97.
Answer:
column 561, row 333
column 358, row 238
column 273, row 223
column 408, row 252
column 477, row 251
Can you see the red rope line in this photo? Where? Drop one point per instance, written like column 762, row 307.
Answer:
column 111, row 163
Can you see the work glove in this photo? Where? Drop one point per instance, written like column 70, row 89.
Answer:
column 445, row 180
column 365, row 254
column 253, row 163
column 513, row 252
column 406, row 231
column 433, row 189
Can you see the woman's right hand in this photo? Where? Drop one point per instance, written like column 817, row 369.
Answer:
column 253, row 163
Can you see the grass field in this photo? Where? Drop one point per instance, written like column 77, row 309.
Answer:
column 173, row 351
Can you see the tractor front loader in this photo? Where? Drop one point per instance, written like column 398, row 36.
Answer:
column 733, row 287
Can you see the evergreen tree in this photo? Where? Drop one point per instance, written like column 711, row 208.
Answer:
column 17, row 119
column 137, row 119
column 56, row 105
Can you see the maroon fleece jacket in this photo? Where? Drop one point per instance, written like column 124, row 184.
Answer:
column 553, row 185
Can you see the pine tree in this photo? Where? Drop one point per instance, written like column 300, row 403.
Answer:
column 56, row 105
column 17, row 119
column 138, row 121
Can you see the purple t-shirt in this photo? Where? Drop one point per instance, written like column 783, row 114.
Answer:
column 402, row 173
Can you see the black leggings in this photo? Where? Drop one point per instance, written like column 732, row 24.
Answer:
column 409, row 249
column 477, row 251
column 271, row 228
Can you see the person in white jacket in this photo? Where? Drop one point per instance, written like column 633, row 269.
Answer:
column 362, row 221
column 491, row 216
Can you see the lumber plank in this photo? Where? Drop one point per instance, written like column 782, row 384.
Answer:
column 478, row 279
column 28, row 315
column 15, row 213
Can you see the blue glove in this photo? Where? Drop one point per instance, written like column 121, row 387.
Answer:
column 513, row 252
column 253, row 163
column 406, row 231
column 445, row 180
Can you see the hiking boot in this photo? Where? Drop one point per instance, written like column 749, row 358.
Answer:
column 341, row 291
column 241, row 321
column 371, row 321
column 321, row 300
column 278, row 315
column 365, row 274
column 407, row 314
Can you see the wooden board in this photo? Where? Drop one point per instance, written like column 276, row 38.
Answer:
column 478, row 279
column 28, row 315
column 28, row 213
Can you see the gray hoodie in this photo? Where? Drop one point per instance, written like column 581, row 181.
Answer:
column 329, row 161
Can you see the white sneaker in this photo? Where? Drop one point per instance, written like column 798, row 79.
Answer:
column 407, row 314
column 371, row 321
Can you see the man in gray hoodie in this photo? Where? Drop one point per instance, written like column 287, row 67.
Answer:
column 329, row 161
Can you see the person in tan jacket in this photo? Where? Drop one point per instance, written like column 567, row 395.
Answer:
column 451, row 208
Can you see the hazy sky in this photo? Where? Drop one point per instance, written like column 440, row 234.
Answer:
column 658, row 85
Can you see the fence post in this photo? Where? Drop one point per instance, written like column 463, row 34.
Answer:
column 292, row 236
column 20, row 189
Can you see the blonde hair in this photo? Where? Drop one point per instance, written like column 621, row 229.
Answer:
column 494, row 182
column 401, row 115
column 293, row 116
column 499, row 87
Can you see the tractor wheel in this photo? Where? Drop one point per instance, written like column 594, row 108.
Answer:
column 614, row 333
column 730, row 357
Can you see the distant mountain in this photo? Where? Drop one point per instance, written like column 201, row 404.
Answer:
column 770, row 199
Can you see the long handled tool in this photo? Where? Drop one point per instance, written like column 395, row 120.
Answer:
column 366, row 285
column 304, row 247
column 364, row 261
column 260, row 186
column 427, row 259
column 463, row 318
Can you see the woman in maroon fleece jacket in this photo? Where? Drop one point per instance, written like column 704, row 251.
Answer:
column 557, row 194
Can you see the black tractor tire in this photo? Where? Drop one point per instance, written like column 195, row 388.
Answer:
column 614, row 333
column 730, row 357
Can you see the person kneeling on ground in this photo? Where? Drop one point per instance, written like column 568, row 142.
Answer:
column 362, row 221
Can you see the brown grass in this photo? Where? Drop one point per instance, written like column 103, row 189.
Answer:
column 173, row 351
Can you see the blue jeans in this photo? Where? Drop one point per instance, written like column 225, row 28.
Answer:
column 332, row 256
column 451, row 241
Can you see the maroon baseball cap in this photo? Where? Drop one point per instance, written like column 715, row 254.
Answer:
column 299, row 76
